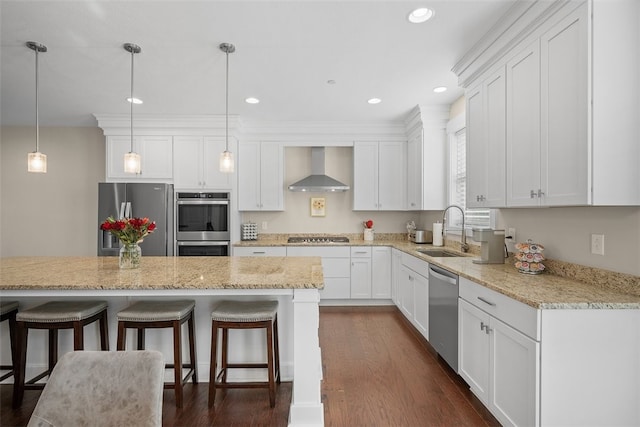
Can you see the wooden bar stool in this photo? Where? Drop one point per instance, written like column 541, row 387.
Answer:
column 8, row 311
column 244, row 315
column 142, row 315
column 53, row 316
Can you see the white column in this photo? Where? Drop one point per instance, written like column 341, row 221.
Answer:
column 306, row 404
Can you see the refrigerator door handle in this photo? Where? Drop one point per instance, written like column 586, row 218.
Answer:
column 121, row 212
column 127, row 212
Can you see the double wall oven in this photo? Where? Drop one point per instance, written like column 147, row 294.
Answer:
column 202, row 224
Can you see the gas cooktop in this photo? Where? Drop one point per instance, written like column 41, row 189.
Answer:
column 319, row 239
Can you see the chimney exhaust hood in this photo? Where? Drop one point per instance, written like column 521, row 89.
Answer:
column 318, row 182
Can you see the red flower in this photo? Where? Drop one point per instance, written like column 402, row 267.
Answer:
column 129, row 230
column 152, row 226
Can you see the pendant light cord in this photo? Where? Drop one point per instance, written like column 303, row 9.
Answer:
column 37, row 109
column 131, row 100
column 227, row 105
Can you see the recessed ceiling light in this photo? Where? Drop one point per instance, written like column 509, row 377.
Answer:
column 374, row 101
column 420, row 15
column 331, row 82
column 440, row 89
column 252, row 100
column 134, row 100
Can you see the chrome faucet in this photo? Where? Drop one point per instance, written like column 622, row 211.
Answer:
column 463, row 237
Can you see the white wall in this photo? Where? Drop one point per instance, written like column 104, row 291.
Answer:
column 53, row 213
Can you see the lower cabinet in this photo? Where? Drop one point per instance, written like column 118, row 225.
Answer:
column 361, row 272
column 396, row 264
column 413, row 288
column 501, row 366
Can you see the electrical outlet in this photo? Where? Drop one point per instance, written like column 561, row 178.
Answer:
column 597, row 244
column 511, row 232
column 265, row 225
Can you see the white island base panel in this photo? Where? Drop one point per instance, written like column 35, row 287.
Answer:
column 298, row 322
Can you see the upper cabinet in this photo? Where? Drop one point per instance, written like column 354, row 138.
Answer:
column 260, row 176
column 155, row 154
column 426, row 164
column 196, row 163
column 378, row 180
column 569, row 140
column 486, row 142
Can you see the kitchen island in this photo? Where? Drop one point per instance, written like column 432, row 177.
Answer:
column 293, row 282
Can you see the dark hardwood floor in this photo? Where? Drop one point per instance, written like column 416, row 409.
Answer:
column 377, row 372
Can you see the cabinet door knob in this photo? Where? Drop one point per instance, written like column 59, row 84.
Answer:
column 532, row 194
column 540, row 193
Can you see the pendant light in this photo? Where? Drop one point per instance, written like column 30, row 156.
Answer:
column 36, row 161
column 132, row 159
column 226, row 157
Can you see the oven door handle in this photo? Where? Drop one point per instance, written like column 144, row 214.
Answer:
column 202, row 243
column 203, row 202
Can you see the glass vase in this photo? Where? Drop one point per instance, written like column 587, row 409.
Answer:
column 130, row 254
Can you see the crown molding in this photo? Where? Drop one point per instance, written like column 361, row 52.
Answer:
column 519, row 22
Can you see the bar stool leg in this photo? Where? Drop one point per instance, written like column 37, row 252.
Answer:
column 104, row 332
column 122, row 336
column 78, row 337
column 141, row 338
column 225, row 354
column 53, row 348
column 192, row 349
column 213, row 363
column 276, row 345
column 272, row 386
column 12, row 339
column 177, row 361
column 20, row 364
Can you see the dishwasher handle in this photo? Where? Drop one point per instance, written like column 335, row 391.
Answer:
column 452, row 280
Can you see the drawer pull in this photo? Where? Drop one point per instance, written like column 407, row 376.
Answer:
column 259, row 252
column 492, row 304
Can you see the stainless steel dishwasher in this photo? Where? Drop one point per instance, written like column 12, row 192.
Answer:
column 443, row 314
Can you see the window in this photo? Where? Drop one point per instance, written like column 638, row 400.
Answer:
column 474, row 217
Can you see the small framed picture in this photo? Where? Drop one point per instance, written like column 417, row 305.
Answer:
column 317, row 206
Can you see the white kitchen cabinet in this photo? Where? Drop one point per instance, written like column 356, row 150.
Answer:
column 380, row 272
column 378, row 183
column 196, row 163
column 568, row 141
column 155, row 155
column 499, row 362
column 426, row 182
column 260, row 251
column 336, row 269
column 260, row 176
column 486, row 142
column 414, row 292
column 360, row 272
column 523, row 127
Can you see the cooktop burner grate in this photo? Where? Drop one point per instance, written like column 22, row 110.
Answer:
column 319, row 239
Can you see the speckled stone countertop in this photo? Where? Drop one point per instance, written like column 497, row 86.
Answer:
column 599, row 289
column 80, row 273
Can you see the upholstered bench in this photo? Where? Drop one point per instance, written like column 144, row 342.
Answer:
column 103, row 388
column 244, row 315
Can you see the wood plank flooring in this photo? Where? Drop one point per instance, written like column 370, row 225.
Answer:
column 377, row 372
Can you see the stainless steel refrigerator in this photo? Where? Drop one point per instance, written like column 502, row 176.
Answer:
column 154, row 201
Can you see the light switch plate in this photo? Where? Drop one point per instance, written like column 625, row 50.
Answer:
column 597, row 244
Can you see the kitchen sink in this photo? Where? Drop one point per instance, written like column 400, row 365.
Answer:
column 439, row 253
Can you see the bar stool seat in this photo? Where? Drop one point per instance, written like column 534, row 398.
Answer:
column 53, row 316
column 163, row 314
column 244, row 315
column 103, row 388
column 8, row 311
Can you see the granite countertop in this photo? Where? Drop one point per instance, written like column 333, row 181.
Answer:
column 76, row 273
column 544, row 291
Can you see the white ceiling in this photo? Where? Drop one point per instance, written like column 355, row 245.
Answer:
column 286, row 51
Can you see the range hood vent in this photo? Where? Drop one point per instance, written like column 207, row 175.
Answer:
column 318, row 182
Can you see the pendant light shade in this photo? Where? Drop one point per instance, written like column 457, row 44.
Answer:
column 226, row 157
column 132, row 160
column 36, row 161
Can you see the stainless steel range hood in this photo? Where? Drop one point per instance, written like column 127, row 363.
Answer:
column 318, row 182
